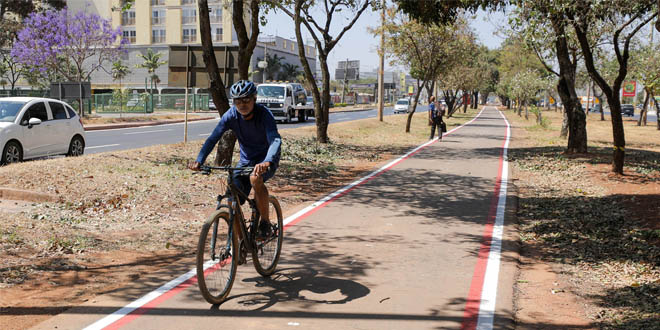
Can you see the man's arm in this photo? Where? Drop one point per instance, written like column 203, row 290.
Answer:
column 273, row 137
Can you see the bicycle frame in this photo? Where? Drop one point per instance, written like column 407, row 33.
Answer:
column 235, row 212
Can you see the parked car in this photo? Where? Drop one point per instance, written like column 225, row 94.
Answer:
column 628, row 110
column 211, row 104
column 179, row 103
column 402, row 105
column 32, row 127
column 310, row 101
column 299, row 93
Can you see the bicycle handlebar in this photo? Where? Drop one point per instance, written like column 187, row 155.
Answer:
column 247, row 170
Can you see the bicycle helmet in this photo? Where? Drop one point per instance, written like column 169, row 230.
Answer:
column 242, row 88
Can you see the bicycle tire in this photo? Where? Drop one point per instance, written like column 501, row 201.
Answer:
column 265, row 255
column 215, row 277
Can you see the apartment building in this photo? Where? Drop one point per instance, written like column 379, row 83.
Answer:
column 157, row 24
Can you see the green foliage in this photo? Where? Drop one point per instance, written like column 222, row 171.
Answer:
column 443, row 11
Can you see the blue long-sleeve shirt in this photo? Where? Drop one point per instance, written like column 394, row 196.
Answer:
column 435, row 113
column 258, row 137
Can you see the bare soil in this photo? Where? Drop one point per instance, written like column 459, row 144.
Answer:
column 590, row 239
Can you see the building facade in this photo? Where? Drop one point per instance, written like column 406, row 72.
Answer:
column 157, row 24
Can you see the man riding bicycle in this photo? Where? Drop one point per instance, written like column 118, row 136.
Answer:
column 259, row 141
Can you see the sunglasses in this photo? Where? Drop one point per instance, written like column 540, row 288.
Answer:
column 244, row 100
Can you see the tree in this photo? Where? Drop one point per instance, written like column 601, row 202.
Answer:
column 645, row 67
column 546, row 30
column 289, row 71
column 246, row 45
column 151, row 62
column 616, row 23
column 444, row 11
column 83, row 41
column 301, row 13
column 274, row 64
column 118, row 72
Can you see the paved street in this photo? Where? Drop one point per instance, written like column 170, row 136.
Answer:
column 138, row 137
column 408, row 248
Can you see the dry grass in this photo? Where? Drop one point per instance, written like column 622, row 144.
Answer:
column 596, row 228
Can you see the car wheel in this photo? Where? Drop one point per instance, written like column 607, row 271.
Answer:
column 76, row 147
column 288, row 116
column 12, row 153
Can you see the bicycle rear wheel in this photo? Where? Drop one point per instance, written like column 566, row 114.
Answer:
column 267, row 253
column 217, row 252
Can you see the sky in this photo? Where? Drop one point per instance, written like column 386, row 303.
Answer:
column 359, row 44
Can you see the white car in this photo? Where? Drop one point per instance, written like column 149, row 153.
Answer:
column 32, row 127
column 402, row 105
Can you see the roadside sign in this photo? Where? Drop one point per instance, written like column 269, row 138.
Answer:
column 629, row 88
column 411, row 90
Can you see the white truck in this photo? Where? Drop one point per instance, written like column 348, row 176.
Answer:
column 285, row 101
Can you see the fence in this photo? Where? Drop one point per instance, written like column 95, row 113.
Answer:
column 25, row 92
column 147, row 103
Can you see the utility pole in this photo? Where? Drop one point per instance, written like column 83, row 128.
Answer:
column 381, row 70
column 343, row 89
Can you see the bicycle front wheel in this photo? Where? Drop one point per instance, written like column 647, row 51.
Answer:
column 267, row 252
column 217, row 257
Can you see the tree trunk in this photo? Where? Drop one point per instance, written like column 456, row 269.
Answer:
column 657, row 111
column 246, row 44
column 564, row 125
column 526, row 110
column 465, row 99
column 412, row 110
column 577, row 124
column 642, row 114
column 225, row 148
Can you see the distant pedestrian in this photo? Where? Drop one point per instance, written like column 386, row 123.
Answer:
column 435, row 117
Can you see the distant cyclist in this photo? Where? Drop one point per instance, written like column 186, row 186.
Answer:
column 259, row 141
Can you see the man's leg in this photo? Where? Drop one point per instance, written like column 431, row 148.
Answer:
column 432, row 130
column 260, row 196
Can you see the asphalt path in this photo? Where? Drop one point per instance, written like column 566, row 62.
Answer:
column 422, row 243
column 138, row 137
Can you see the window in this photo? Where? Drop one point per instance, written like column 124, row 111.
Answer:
column 158, row 17
column 129, row 35
column 216, row 33
column 72, row 113
column 189, row 35
column 189, row 16
column 188, row 2
column 215, row 15
column 157, row 2
column 37, row 110
column 158, row 36
column 284, row 44
column 57, row 109
column 128, row 18
column 293, row 46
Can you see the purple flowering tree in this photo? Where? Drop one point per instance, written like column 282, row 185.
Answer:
column 73, row 46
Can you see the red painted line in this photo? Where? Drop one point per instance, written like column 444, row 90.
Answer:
column 473, row 301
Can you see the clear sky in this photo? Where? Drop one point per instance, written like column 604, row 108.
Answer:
column 359, row 44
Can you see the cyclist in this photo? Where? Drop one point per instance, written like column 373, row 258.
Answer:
column 259, row 141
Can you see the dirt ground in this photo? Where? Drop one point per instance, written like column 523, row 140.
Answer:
column 569, row 280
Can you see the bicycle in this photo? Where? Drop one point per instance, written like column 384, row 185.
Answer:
column 220, row 250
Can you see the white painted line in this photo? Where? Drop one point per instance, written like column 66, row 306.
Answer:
column 104, row 322
column 146, row 132
column 205, row 134
column 489, row 290
column 103, row 146
column 117, row 315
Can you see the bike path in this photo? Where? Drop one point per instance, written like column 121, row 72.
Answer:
column 399, row 250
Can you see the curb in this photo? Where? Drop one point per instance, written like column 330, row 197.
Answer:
column 140, row 124
column 25, row 195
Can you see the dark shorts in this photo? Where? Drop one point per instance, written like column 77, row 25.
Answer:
column 243, row 181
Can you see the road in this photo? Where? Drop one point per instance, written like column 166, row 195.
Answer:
column 423, row 243
column 138, row 137
column 650, row 118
